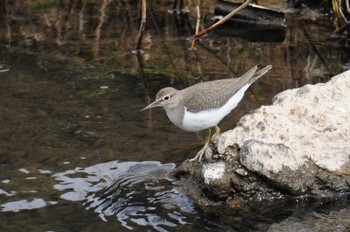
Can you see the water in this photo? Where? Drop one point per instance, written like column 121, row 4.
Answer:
column 77, row 155
column 136, row 193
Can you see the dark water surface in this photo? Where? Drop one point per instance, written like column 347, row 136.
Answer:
column 77, row 155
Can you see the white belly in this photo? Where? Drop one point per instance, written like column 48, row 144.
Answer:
column 210, row 118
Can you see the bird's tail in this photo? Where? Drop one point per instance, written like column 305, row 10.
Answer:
column 257, row 74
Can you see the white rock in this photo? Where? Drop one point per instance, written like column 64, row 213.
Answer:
column 213, row 171
column 312, row 122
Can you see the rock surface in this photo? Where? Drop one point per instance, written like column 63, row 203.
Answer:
column 302, row 141
column 298, row 145
column 309, row 123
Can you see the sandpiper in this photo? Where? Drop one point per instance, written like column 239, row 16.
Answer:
column 204, row 105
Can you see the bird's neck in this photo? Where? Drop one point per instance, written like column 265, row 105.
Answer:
column 176, row 111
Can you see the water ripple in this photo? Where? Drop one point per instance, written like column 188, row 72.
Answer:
column 137, row 194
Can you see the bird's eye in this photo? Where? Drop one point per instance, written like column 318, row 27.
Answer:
column 165, row 98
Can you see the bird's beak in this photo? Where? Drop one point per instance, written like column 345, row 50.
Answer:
column 150, row 106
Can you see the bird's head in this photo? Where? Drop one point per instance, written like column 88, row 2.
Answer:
column 166, row 98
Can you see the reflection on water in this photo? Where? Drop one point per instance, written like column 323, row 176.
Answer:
column 17, row 206
column 135, row 192
column 3, row 68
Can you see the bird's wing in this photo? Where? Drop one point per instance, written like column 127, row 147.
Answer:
column 212, row 94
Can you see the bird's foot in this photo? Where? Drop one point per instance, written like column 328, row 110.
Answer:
column 200, row 153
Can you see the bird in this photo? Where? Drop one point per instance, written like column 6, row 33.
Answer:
column 203, row 105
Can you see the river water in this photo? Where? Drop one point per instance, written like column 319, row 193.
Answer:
column 77, row 155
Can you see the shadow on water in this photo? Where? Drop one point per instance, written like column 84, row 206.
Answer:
column 75, row 152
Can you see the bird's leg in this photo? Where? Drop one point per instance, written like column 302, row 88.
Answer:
column 209, row 138
column 216, row 134
column 206, row 145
